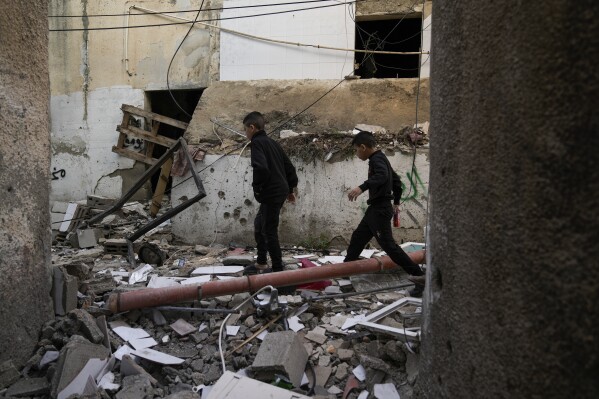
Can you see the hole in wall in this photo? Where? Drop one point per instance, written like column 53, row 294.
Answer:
column 243, row 221
column 397, row 34
column 226, row 215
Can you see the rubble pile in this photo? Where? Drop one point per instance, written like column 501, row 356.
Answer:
column 329, row 339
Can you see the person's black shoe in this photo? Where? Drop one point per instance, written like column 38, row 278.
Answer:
column 256, row 269
column 417, row 291
column 289, row 290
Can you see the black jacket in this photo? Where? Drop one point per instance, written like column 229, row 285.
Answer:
column 383, row 183
column 274, row 174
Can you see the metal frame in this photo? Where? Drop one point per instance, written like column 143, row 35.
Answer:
column 167, row 215
column 411, row 334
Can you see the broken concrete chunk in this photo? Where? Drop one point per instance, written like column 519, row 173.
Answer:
column 371, row 128
column 129, row 367
column 345, row 354
column 87, row 324
column 201, row 250
column 238, row 260
column 29, row 387
column 342, row 370
column 8, row 374
column 285, row 134
column 86, row 238
column 135, row 387
column 280, row 353
column 64, row 291
column 317, row 335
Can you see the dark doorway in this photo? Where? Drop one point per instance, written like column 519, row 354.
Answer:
column 388, row 35
column 161, row 102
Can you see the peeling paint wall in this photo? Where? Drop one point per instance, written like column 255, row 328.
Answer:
column 322, row 211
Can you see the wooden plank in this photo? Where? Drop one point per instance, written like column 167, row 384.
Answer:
column 133, row 155
column 160, row 187
column 122, row 136
column 135, row 131
column 150, row 145
column 153, row 116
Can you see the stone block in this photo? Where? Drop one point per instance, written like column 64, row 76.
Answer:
column 29, row 387
column 8, row 374
column 240, row 260
column 280, row 353
column 64, row 291
column 87, row 238
column 135, row 387
column 87, row 325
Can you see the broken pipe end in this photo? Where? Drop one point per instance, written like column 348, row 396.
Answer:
column 113, row 303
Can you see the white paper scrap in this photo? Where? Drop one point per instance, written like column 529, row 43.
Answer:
column 367, row 253
column 160, row 282
column 363, row 395
column 385, row 391
column 331, row 259
column 359, row 372
column 141, row 343
column 295, row 324
column 122, row 351
column 232, row 330
column 126, row 332
column 262, row 335
column 140, row 274
column 157, row 357
column 303, row 256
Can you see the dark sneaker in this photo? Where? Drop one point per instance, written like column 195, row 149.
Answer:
column 417, row 291
column 256, row 269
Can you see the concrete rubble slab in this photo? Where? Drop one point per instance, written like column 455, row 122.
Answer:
column 8, row 374
column 218, row 270
column 87, row 324
column 86, row 238
column 29, row 387
column 64, row 291
column 142, row 343
column 126, row 332
column 233, row 386
column 280, row 353
column 238, row 260
column 135, row 387
column 318, row 335
column 84, row 382
column 73, row 358
column 130, row 367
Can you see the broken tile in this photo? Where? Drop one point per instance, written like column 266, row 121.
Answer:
column 341, row 372
column 322, row 374
column 367, row 253
column 195, row 280
column 363, row 395
column 126, row 332
column 332, row 290
column 84, row 382
column 324, row 361
column 294, row 324
column 218, row 270
column 141, row 343
column 122, row 351
column 334, row 390
column 359, row 372
column 182, row 327
column 160, row 282
column 140, row 274
column 130, row 367
column 345, row 354
column 232, row 386
column 317, row 335
column 332, row 259
column 232, row 330
column 157, row 357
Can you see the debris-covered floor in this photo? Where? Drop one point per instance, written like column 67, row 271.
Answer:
column 354, row 337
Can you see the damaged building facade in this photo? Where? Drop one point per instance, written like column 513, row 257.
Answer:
column 228, row 66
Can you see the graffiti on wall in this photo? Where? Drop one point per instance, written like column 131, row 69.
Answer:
column 135, row 144
column 58, row 174
column 416, row 186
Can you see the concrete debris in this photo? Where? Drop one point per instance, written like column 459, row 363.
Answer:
column 29, row 387
column 169, row 352
column 8, row 374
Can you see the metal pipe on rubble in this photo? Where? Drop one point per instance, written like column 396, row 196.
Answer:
column 151, row 297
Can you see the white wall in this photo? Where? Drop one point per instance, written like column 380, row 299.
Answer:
column 322, row 205
column 249, row 59
column 82, row 154
column 425, row 64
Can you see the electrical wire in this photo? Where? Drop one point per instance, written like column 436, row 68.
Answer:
column 189, row 11
column 220, row 331
column 186, row 23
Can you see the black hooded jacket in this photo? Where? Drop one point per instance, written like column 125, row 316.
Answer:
column 383, row 183
column 274, row 174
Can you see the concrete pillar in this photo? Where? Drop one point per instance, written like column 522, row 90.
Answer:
column 24, row 177
column 513, row 305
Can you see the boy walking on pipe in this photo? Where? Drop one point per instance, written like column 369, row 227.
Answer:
column 383, row 186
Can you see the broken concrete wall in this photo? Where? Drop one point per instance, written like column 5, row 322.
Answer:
column 513, row 309
column 24, row 178
column 93, row 72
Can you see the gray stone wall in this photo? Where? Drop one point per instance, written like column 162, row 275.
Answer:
column 24, row 177
column 512, row 309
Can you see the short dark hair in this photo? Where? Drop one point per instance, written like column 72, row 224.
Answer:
column 365, row 138
column 254, row 118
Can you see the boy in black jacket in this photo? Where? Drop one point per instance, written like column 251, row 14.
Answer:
column 274, row 181
column 383, row 186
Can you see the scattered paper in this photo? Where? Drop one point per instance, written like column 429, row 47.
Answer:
column 122, row 351
column 385, row 391
column 157, row 357
column 363, row 395
column 232, row 330
column 367, row 253
column 359, row 372
column 295, row 324
column 218, row 270
column 140, row 274
column 141, row 343
column 166, row 338
column 127, row 333
column 182, row 327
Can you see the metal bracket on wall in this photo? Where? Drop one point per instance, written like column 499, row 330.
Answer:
column 139, row 184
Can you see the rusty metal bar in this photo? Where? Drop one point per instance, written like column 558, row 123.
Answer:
column 152, row 297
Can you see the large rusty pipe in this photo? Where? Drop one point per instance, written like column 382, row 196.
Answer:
column 151, row 297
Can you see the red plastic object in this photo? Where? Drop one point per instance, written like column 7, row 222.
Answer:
column 317, row 285
column 396, row 218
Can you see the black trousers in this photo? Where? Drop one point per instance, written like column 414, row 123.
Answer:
column 377, row 223
column 266, row 233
